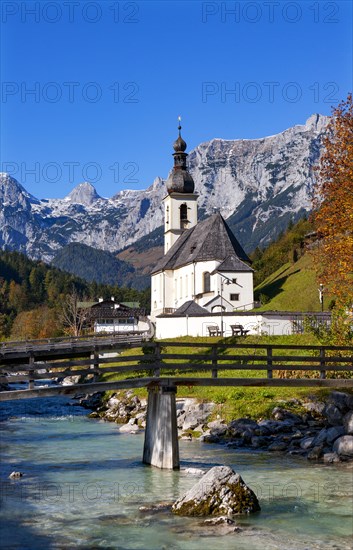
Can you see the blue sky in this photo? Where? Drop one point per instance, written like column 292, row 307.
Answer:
column 92, row 90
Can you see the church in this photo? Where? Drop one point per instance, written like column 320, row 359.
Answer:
column 204, row 269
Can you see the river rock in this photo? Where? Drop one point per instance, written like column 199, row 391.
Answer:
column 191, row 413
column 333, row 415
column 217, row 427
column 282, row 414
column 343, row 446
column 194, row 471
column 221, row 491
column 334, row 433
column 113, row 402
column 321, row 437
column 315, row 453
column 129, row 428
column 307, row 442
column 275, row 426
column 238, row 427
column 339, row 399
column 315, row 407
column 15, row 475
column 350, row 401
column 219, row 521
column 72, row 380
column 348, row 423
column 330, row 458
column 92, row 401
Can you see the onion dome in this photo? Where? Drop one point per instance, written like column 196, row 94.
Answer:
column 179, row 179
column 179, row 144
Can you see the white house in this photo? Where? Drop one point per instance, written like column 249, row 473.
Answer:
column 203, row 262
column 114, row 317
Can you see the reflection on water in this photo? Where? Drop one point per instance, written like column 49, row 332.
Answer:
column 84, row 483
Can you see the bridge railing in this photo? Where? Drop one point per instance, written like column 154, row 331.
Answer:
column 73, row 341
column 195, row 364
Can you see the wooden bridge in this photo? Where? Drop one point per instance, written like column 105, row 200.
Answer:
column 117, row 362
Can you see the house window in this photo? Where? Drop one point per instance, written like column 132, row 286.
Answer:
column 186, row 291
column 234, row 297
column 183, row 216
column 206, row 282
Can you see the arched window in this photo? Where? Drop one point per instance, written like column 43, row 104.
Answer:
column 206, row 282
column 183, row 216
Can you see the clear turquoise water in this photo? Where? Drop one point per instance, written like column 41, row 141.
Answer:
column 84, row 483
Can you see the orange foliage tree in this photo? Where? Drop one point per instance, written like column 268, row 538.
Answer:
column 36, row 323
column 333, row 207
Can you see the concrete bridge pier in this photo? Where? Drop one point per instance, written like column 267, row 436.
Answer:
column 161, row 448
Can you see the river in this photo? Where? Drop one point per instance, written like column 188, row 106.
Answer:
column 84, row 482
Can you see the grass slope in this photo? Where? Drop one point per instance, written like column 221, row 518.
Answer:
column 293, row 287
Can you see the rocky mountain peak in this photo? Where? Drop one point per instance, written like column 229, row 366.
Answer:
column 84, row 193
column 317, row 122
column 11, row 191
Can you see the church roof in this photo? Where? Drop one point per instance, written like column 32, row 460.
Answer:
column 232, row 263
column 210, row 239
column 190, row 308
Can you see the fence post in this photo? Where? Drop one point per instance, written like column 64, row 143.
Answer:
column 322, row 363
column 31, row 372
column 269, row 362
column 214, row 361
column 95, row 364
column 157, row 354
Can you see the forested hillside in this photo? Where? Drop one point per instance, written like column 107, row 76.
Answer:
column 32, row 295
column 95, row 265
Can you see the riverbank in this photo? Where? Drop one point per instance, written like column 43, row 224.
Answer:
column 322, row 431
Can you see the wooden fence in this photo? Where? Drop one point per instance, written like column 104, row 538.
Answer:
column 164, row 363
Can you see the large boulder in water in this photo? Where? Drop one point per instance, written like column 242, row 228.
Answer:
column 221, row 491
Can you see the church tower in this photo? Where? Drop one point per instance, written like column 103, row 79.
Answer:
column 180, row 205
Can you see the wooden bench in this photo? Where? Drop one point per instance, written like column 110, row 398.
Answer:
column 238, row 330
column 213, row 330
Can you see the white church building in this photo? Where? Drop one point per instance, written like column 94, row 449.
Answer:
column 203, row 264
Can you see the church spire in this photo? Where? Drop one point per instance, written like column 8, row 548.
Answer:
column 179, row 145
column 179, row 180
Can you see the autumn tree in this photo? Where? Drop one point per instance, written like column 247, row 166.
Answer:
column 73, row 316
column 41, row 322
column 333, row 207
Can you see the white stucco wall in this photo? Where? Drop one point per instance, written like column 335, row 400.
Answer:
column 173, row 327
column 171, row 289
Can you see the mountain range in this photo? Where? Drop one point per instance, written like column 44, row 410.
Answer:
column 258, row 185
